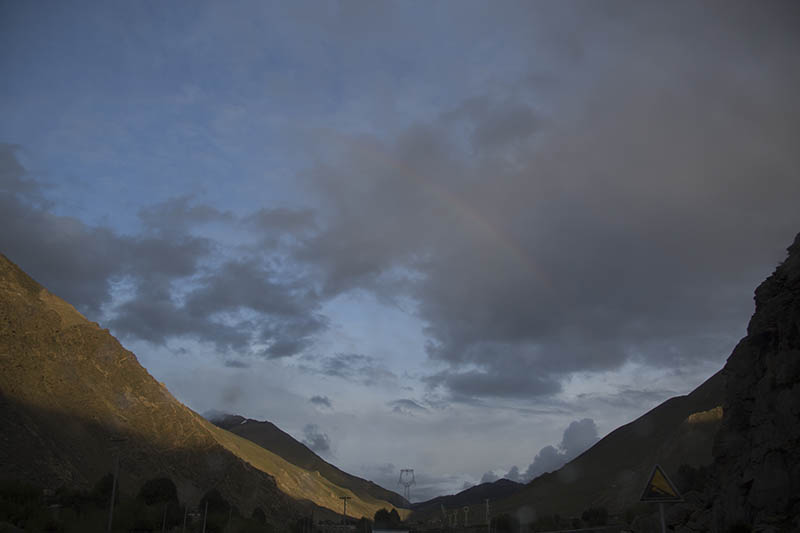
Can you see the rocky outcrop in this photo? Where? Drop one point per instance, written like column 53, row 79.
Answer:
column 756, row 471
column 757, row 450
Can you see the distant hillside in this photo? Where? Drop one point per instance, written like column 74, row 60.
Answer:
column 612, row 473
column 271, row 437
column 476, row 495
column 67, row 387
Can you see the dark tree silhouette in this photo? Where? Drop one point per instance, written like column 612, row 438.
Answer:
column 101, row 492
column 386, row 518
column 595, row 516
column 259, row 516
column 160, row 490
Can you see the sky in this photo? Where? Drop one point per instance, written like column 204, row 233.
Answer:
column 468, row 238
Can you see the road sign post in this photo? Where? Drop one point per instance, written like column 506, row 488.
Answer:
column 660, row 490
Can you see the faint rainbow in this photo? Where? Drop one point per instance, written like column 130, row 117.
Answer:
column 463, row 210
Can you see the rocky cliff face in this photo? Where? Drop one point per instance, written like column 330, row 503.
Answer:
column 757, row 450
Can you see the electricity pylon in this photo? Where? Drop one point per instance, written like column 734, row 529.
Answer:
column 406, row 480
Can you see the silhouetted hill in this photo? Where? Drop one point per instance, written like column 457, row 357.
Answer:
column 67, row 387
column 613, row 472
column 271, row 437
column 742, row 424
column 476, row 495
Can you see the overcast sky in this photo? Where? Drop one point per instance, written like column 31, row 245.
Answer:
column 467, row 238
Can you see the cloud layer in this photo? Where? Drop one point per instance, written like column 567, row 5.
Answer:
column 579, row 436
column 316, row 439
column 538, row 211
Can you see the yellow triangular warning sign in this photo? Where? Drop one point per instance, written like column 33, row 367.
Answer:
column 660, row 489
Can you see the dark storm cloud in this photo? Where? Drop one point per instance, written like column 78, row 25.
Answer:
column 238, row 305
column 406, row 406
column 178, row 215
column 627, row 397
column 613, row 197
column 247, row 284
column 316, row 440
column 243, row 305
column 625, row 215
column 154, row 316
column 493, row 125
column 13, row 182
column 321, row 401
column 73, row 260
column 281, row 220
column 350, row 366
column 506, row 382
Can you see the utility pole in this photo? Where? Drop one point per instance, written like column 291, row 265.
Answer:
column 205, row 515
column 487, row 514
column 164, row 520
column 344, row 499
column 114, row 483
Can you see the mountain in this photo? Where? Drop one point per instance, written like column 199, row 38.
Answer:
column 740, row 430
column 613, row 472
column 67, row 388
column 756, row 469
column 272, row 438
column 476, row 496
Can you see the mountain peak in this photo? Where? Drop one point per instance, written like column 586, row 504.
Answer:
column 14, row 281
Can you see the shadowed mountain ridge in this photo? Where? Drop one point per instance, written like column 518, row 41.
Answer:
column 742, row 425
column 475, row 495
column 271, row 437
column 613, row 472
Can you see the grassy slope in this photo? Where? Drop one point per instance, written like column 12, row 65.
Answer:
column 271, row 437
column 296, row 481
column 66, row 386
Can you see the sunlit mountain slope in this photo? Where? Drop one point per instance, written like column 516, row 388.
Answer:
column 67, row 388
